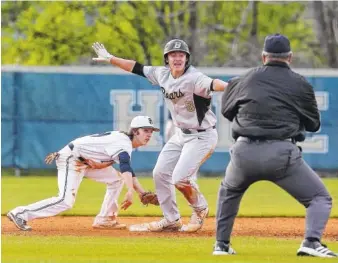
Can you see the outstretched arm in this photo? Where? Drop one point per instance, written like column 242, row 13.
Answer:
column 219, row 85
column 104, row 56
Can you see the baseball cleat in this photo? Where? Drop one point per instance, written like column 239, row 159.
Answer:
column 315, row 249
column 222, row 249
column 19, row 222
column 196, row 221
column 165, row 226
column 107, row 223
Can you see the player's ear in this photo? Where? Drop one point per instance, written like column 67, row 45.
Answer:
column 290, row 57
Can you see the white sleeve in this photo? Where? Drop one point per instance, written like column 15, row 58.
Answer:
column 202, row 85
column 151, row 73
column 114, row 151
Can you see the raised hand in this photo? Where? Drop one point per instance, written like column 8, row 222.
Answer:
column 102, row 53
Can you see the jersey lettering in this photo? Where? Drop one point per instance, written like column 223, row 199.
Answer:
column 173, row 95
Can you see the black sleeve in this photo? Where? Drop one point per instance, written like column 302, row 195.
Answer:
column 138, row 69
column 229, row 102
column 310, row 117
column 212, row 85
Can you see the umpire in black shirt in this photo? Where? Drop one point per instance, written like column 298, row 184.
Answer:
column 270, row 108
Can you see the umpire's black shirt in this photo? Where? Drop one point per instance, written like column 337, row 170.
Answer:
column 271, row 102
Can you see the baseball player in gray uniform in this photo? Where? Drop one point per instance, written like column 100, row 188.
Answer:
column 92, row 156
column 187, row 93
column 270, row 107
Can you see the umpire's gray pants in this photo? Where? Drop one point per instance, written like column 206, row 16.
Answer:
column 280, row 162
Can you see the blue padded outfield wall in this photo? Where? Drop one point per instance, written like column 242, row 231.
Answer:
column 45, row 108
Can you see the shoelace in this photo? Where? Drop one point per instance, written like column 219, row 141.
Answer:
column 163, row 222
column 325, row 250
column 196, row 218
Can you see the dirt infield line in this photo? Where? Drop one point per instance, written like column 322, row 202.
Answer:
column 81, row 226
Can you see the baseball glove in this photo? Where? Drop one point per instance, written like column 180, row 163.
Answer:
column 51, row 157
column 149, row 198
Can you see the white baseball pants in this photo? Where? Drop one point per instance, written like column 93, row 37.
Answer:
column 69, row 180
column 177, row 166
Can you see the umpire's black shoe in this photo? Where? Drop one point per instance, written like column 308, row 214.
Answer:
column 19, row 222
column 315, row 249
column 221, row 248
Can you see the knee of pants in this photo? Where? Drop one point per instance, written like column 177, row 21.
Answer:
column 68, row 202
column 184, row 184
column 115, row 185
column 158, row 174
column 323, row 200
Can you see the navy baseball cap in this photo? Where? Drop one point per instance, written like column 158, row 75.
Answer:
column 277, row 43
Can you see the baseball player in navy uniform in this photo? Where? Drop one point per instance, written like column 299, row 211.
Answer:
column 270, row 107
column 187, row 93
column 92, row 156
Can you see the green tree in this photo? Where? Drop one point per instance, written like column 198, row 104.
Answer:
column 46, row 34
column 218, row 33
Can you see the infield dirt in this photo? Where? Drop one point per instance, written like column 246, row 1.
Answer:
column 82, row 226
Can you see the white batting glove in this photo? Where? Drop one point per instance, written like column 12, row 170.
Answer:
column 101, row 52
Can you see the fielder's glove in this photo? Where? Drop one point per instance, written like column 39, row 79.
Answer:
column 51, row 157
column 149, row 198
column 102, row 53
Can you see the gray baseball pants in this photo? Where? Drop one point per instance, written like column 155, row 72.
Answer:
column 279, row 162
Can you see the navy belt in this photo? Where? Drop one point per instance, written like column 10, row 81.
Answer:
column 188, row 131
column 71, row 146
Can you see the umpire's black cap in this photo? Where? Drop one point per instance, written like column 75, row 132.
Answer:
column 277, row 43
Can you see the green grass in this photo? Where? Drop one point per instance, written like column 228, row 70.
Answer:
column 148, row 249
column 263, row 199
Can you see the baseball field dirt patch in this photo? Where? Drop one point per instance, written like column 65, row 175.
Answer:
column 81, row 226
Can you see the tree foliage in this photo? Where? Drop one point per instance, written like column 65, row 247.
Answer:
column 218, row 33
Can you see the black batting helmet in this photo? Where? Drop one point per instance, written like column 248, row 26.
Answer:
column 175, row 45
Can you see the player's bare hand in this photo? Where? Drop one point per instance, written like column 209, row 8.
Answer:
column 128, row 200
column 101, row 52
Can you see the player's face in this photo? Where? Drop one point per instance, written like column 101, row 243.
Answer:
column 143, row 135
column 177, row 60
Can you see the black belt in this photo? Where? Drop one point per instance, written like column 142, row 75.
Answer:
column 71, row 146
column 187, row 131
column 263, row 139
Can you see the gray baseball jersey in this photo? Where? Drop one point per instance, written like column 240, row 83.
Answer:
column 188, row 97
